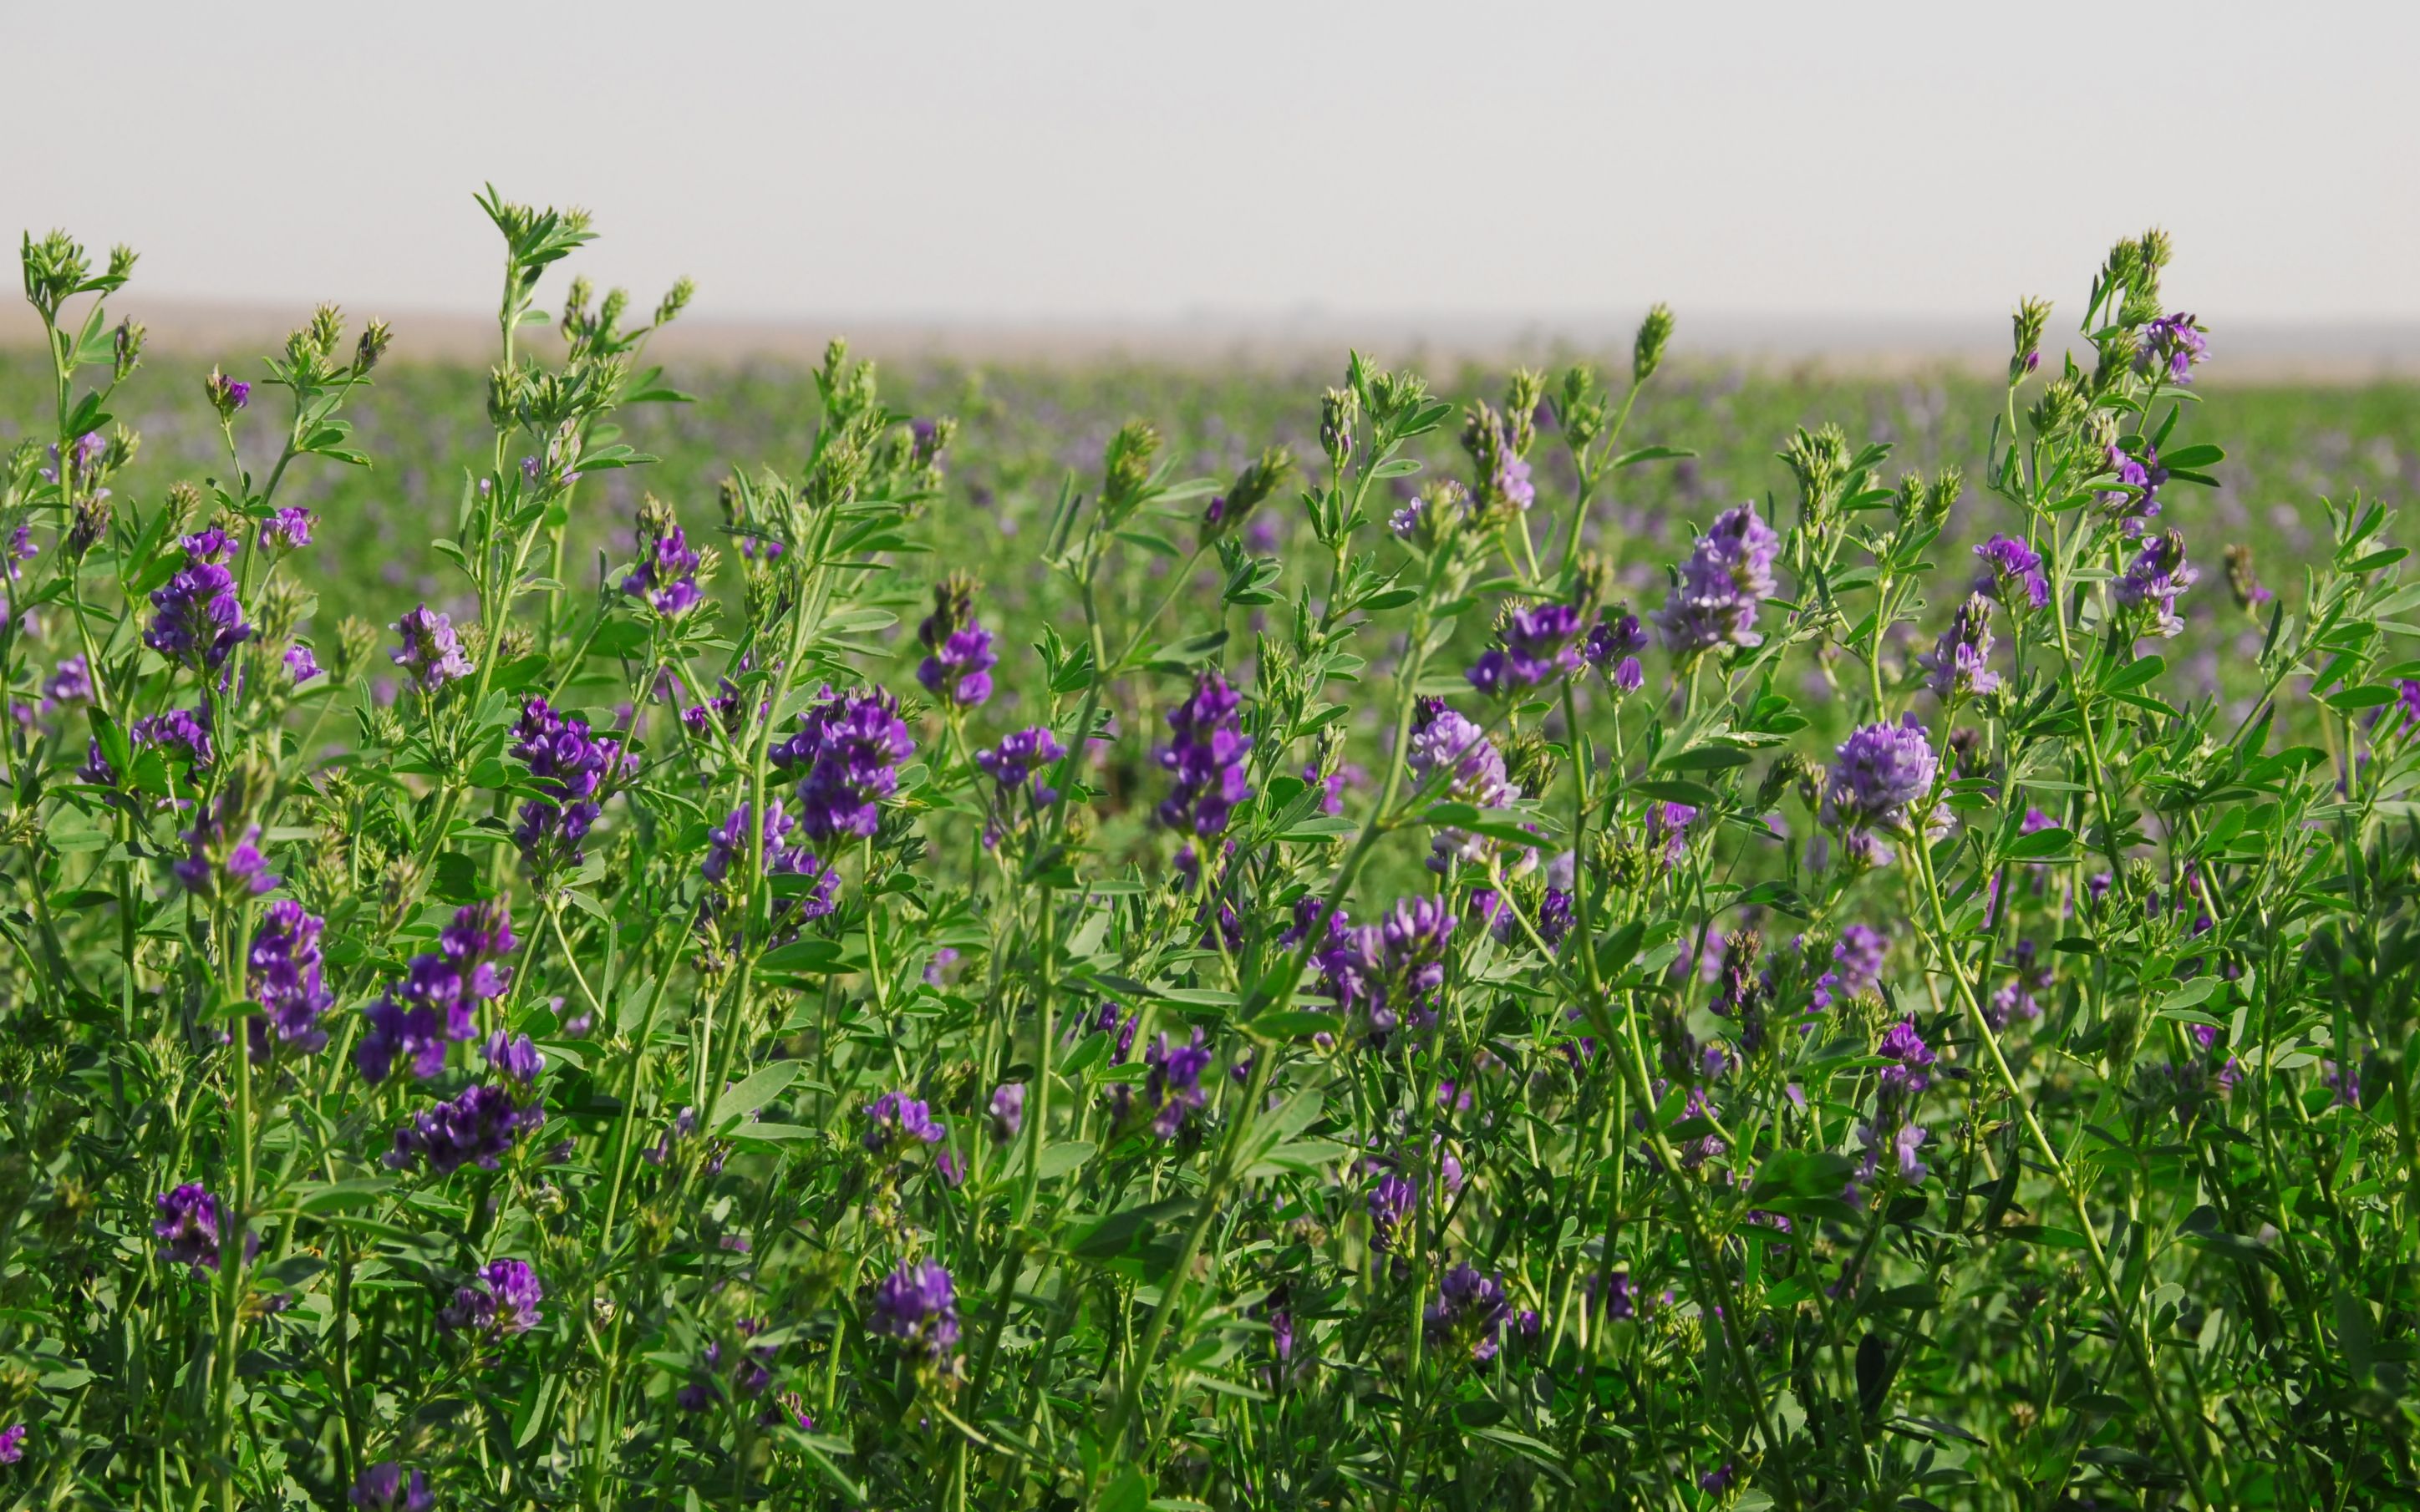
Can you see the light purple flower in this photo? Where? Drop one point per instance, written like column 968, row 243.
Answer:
column 1726, row 579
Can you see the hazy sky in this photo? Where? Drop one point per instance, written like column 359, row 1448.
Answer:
column 1070, row 161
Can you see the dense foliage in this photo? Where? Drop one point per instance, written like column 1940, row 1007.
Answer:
column 1344, row 983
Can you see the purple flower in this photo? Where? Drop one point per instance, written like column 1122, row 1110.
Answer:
column 918, row 1306
column 2172, row 345
column 82, row 458
column 438, row 1000
column 958, row 655
column 1667, row 831
column 1020, row 756
column 1905, row 1081
column 431, row 651
column 666, row 576
column 515, row 1058
column 1172, row 1089
column 570, row 765
column 1469, row 1313
column 478, row 1127
column 2154, row 579
column 287, row 528
column 199, row 621
column 179, row 729
column 1960, row 663
column 384, row 1488
column 1613, row 646
column 218, row 862
column 1445, row 743
column 895, row 1118
column 70, row 682
column 729, row 841
column 1857, row 966
column 501, row 1301
column 1728, row 577
column 188, row 1229
column 283, row 974
column 2139, row 499
column 2015, row 998
column 300, row 665
column 2012, row 573
column 1882, row 771
column 1207, row 754
column 1007, row 1111
column 1903, row 1142
column 13, row 1443
column 1391, row 1202
column 849, row 749
column 1540, row 645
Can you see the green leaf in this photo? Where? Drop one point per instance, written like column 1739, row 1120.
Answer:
column 2041, row 842
column 753, row 1093
column 1696, row 794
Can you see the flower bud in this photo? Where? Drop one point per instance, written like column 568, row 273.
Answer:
column 373, row 345
column 2029, row 321
column 1647, row 351
column 226, row 394
column 1338, row 408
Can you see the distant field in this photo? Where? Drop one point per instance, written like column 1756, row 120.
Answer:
column 1026, row 425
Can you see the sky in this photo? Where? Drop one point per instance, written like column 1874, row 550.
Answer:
column 1040, row 161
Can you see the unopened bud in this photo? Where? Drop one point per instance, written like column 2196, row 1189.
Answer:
column 1647, row 351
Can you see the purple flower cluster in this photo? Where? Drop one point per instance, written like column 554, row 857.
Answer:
column 958, row 657
column 1007, row 1111
column 570, row 765
column 2154, row 579
column 666, row 576
column 1172, row 1091
column 478, row 1127
column 431, row 651
column 1728, row 577
column 1667, row 831
column 185, row 731
column 1960, row 665
column 2012, row 573
column 1857, row 966
column 199, row 621
column 501, row 1301
column 1469, row 1314
column 1445, row 744
column 283, row 975
column 1539, row 645
column 287, row 529
column 894, row 1118
column 1390, row 972
column 1206, row 751
column 848, row 749
column 918, row 1306
column 2171, row 348
column 70, row 682
column 188, row 1228
column 219, row 860
column 1906, row 1080
column 385, row 1488
column 2139, row 499
column 730, row 841
column 437, row 1001
column 1019, row 758
column 1882, row 771
column 1613, row 646
column 13, row 1443
column 1390, row 1203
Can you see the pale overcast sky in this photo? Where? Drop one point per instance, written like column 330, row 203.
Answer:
column 1101, row 162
